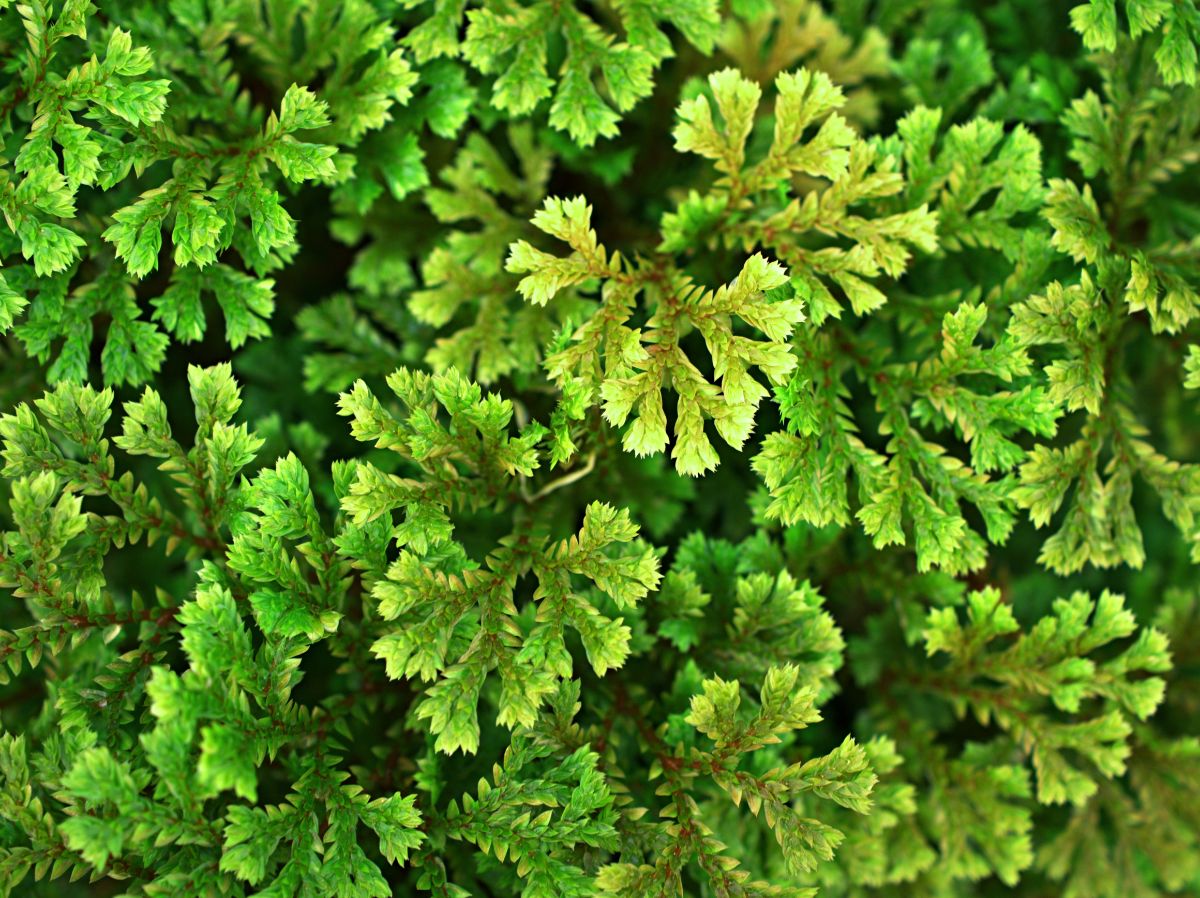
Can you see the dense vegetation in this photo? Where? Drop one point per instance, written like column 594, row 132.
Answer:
column 628, row 448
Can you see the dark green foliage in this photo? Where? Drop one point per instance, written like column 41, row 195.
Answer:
column 631, row 448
